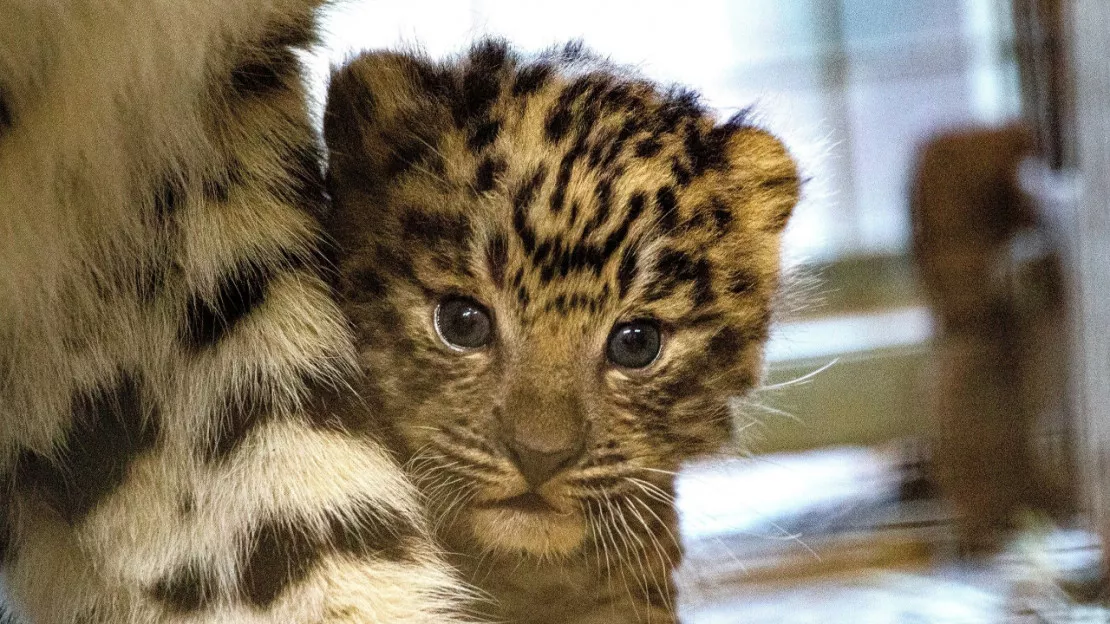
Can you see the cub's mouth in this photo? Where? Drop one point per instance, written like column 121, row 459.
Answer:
column 529, row 502
column 528, row 523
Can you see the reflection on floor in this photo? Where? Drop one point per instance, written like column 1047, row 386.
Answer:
column 846, row 535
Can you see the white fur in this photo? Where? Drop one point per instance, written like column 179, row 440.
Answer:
column 109, row 97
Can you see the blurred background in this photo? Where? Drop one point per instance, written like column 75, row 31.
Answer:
column 929, row 444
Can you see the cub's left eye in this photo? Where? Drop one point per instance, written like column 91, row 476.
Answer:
column 463, row 323
column 635, row 344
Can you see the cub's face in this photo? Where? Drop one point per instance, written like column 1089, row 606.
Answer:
column 557, row 275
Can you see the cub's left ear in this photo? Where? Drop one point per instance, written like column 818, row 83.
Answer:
column 764, row 175
column 380, row 107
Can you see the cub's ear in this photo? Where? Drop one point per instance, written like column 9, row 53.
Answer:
column 762, row 172
column 383, row 110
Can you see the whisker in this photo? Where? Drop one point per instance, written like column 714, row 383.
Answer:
column 770, row 410
column 665, row 564
column 621, row 564
column 798, row 380
column 666, row 527
column 642, row 577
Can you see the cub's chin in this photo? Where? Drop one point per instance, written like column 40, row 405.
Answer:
column 521, row 530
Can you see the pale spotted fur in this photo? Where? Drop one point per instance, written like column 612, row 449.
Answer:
column 168, row 351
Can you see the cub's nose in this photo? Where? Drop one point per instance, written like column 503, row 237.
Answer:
column 543, row 429
column 539, row 465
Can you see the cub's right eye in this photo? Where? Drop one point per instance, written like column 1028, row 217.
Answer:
column 463, row 323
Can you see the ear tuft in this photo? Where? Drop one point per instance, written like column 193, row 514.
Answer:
column 764, row 171
column 372, row 101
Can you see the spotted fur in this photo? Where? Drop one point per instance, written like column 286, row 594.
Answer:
column 565, row 196
column 168, row 349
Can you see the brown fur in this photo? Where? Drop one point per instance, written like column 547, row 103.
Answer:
column 565, row 197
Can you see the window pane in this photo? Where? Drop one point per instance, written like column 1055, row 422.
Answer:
column 852, row 86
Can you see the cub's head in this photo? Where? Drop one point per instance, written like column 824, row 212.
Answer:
column 558, row 276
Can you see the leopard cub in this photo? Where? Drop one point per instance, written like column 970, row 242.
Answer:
column 558, row 275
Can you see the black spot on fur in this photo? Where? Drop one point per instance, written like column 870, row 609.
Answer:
column 430, row 229
column 725, row 345
column 562, row 179
column 268, row 71
column 707, row 150
column 299, row 32
column 635, row 209
column 480, row 81
column 111, row 426
column 5, row 114
column 604, row 194
column 281, row 555
column 682, row 175
column 573, row 51
column 215, row 189
column 370, row 530
column 630, row 127
column 241, row 414
column 676, row 264
column 561, row 117
column 190, row 588
column 680, row 105
column 409, row 152
column 703, row 284
column 238, row 292
column 365, row 284
column 542, row 251
column 168, row 198
column 668, row 208
column 397, row 264
column 697, row 221
column 488, row 171
column 676, row 268
column 742, row 281
column 497, row 259
column 531, row 79
column 558, row 123
column 627, row 271
column 722, row 216
column 649, row 147
column 435, row 80
column 522, row 199
column 582, row 257
column 284, row 552
column 618, row 97
column 484, row 135
column 272, row 63
column 680, row 385
column 523, row 297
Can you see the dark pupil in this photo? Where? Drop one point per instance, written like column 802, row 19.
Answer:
column 464, row 324
column 634, row 345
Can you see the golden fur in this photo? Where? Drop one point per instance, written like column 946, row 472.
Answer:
column 565, row 197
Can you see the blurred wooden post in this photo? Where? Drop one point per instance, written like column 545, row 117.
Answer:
column 1089, row 24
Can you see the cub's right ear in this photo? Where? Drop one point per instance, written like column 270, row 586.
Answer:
column 376, row 105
